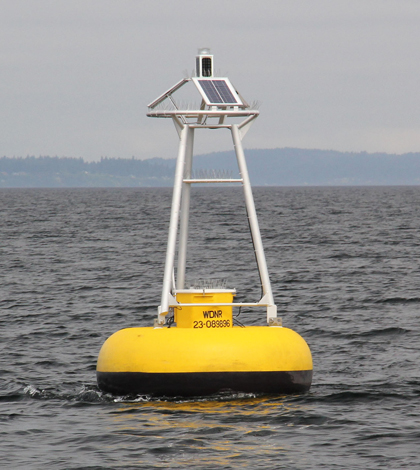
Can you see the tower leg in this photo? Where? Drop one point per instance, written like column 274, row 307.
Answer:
column 173, row 226
column 185, row 211
column 255, row 229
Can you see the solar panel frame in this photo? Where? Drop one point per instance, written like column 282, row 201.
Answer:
column 217, row 91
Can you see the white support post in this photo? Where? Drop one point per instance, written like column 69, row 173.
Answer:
column 173, row 227
column 253, row 223
column 185, row 211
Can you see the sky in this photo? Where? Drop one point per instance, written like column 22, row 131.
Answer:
column 76, row 76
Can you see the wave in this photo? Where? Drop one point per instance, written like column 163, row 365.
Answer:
column 398, row 300
column 389, row 331
column 90, row 394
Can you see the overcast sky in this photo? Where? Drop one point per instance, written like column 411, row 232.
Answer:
column 76, row 75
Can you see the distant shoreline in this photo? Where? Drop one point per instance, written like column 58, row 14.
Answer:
column 267, row 167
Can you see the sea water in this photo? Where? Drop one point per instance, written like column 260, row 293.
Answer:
column 76, row 265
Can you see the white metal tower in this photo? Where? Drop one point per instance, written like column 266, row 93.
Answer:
column 220, row 103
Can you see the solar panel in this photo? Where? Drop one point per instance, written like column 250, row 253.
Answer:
column 211, row 91
column 218, row 91
column 224, row 92
column 206, row 67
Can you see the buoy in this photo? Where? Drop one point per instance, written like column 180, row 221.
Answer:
column 194, row 348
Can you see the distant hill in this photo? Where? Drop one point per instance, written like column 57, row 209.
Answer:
column 299, row 167
column 55, row 172
column 267, row 167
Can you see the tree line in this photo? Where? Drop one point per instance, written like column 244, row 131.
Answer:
column 71, row 165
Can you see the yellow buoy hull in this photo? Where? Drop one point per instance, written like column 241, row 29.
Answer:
column 192, row 362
